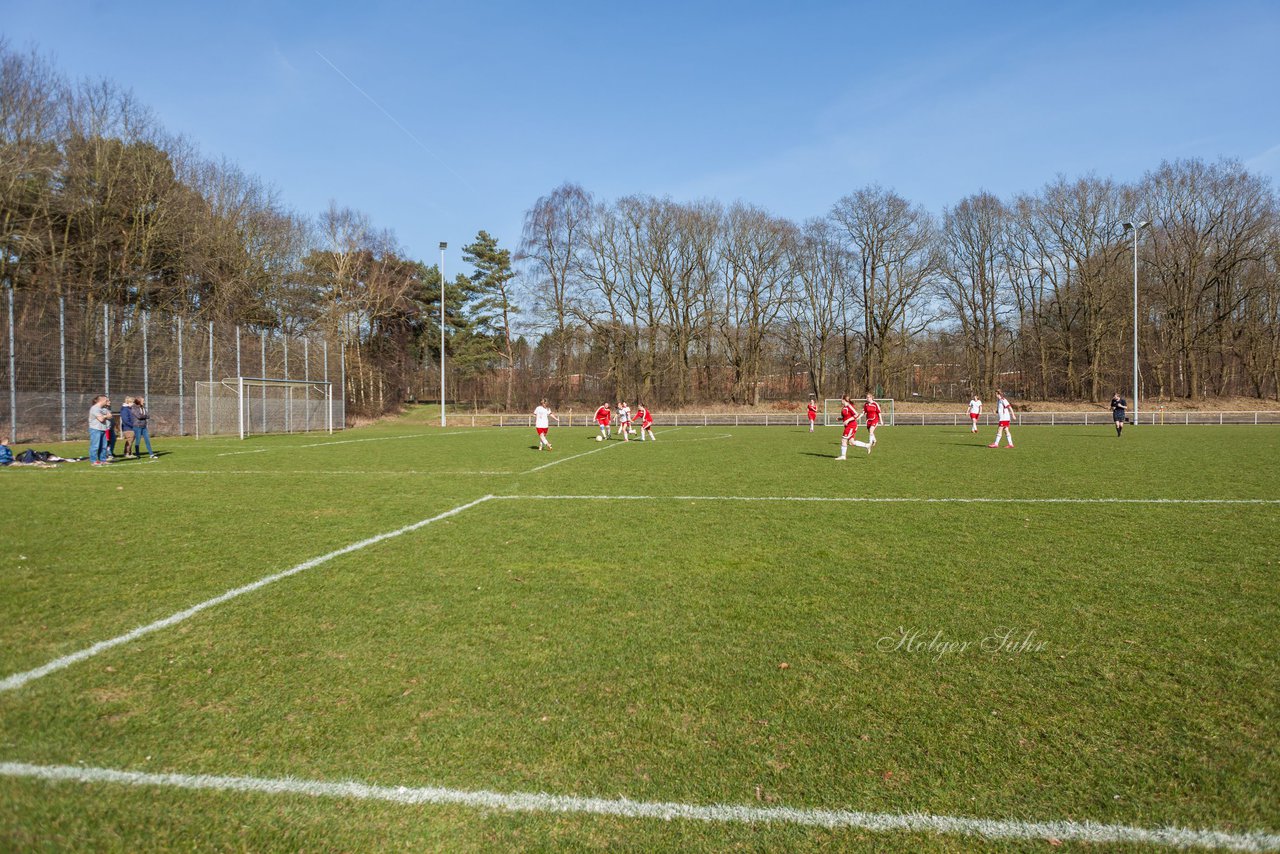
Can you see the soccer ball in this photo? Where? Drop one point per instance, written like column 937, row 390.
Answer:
column 599, row 439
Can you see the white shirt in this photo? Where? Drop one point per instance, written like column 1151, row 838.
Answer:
column 624, row 413
column 542, row 417
column 975, row 407
column 1004, row 412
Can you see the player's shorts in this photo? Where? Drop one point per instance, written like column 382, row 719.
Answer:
column 1117, row 415
column 604, row 423
column 542, row 431
column 1004, row 423
column 647, row 425
column 973, row 415
column 813, row 416
column 871, row 424
column 850, row 430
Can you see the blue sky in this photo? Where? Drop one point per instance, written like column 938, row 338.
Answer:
column 786, row 106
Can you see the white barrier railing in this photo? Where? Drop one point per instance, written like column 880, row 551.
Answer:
column 926, row 419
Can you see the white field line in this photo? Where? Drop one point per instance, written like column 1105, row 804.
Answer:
column 377, row 439
column 340, row 442
column 908, row 500
column 17, row 680
column 539, row 802
column 308, row 472
column 611, row 444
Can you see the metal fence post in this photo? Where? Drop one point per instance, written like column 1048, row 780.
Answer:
column 263, row 336
column 306, row 377
column 288, row 392
column 146, row 362
column 212, row 422
column 62, row 361
column 182, row 401
column 106, row 350
column 13, row 380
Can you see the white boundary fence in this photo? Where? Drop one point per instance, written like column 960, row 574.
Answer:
column 918, row 419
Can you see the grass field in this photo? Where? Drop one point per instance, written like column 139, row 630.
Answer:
column 660, row 637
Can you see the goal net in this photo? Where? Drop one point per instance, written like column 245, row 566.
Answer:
column 245, row 406
column 831, row 411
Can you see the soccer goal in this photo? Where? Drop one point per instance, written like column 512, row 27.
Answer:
column 251, row 405
column 831, row 411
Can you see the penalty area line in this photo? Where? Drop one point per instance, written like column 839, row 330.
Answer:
column 853, row 499
column 17, row 680
column 541, row 802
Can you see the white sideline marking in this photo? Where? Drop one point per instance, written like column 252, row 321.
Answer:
column 541, row 802
column 237, row 453
column 874, row 500
column 17, row 680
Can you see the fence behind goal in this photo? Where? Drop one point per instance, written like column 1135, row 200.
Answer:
column 245, row 406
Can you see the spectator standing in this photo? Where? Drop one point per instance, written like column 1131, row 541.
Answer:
column 126, row 425
column 99, row 426
column 141, row 431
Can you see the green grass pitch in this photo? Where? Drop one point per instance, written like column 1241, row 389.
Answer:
column 1101, row 644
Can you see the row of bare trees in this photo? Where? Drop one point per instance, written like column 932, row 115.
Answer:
column 680, row 303
column 698, row 302
column 99, row 204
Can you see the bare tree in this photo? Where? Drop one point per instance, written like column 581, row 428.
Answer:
column 554, row 231
column 892, row 244
column 974, row 283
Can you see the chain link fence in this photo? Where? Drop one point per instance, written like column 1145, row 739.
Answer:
column 62, row 352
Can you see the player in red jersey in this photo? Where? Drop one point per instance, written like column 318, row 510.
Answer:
column 871, row 410
column 813, row 411
column 645, row 417
column 849, row 417
column 603, row 415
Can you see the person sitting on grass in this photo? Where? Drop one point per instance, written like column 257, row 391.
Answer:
column 39, row 459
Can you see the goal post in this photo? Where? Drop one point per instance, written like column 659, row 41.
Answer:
column 247, row 406
column 831, row 410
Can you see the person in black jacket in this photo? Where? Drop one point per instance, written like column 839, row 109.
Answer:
column 1118, row 405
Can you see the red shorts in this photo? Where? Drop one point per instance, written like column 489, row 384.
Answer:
column 871, row 424
column 1004, row 423
column 813, row 416
column 850, row 430
column 542, row 431
column 973, row 415
column 604, row 423
column 646, row 425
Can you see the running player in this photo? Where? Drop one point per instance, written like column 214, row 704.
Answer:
column 624, row 420
column 975, row 409
column 1004, row 415
column 542, row 422
column 646, row 422
column 1118, row 405
column 603, row 415
column 813, row 411
column 871, row 410
column 849, row 417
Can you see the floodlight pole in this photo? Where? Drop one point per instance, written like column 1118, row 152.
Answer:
column 1135, row 227
column 443, row 246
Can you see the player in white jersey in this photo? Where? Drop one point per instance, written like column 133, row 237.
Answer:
column 1004, row 415
column 542, row 422
column 624, row 420
column 975, row 410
